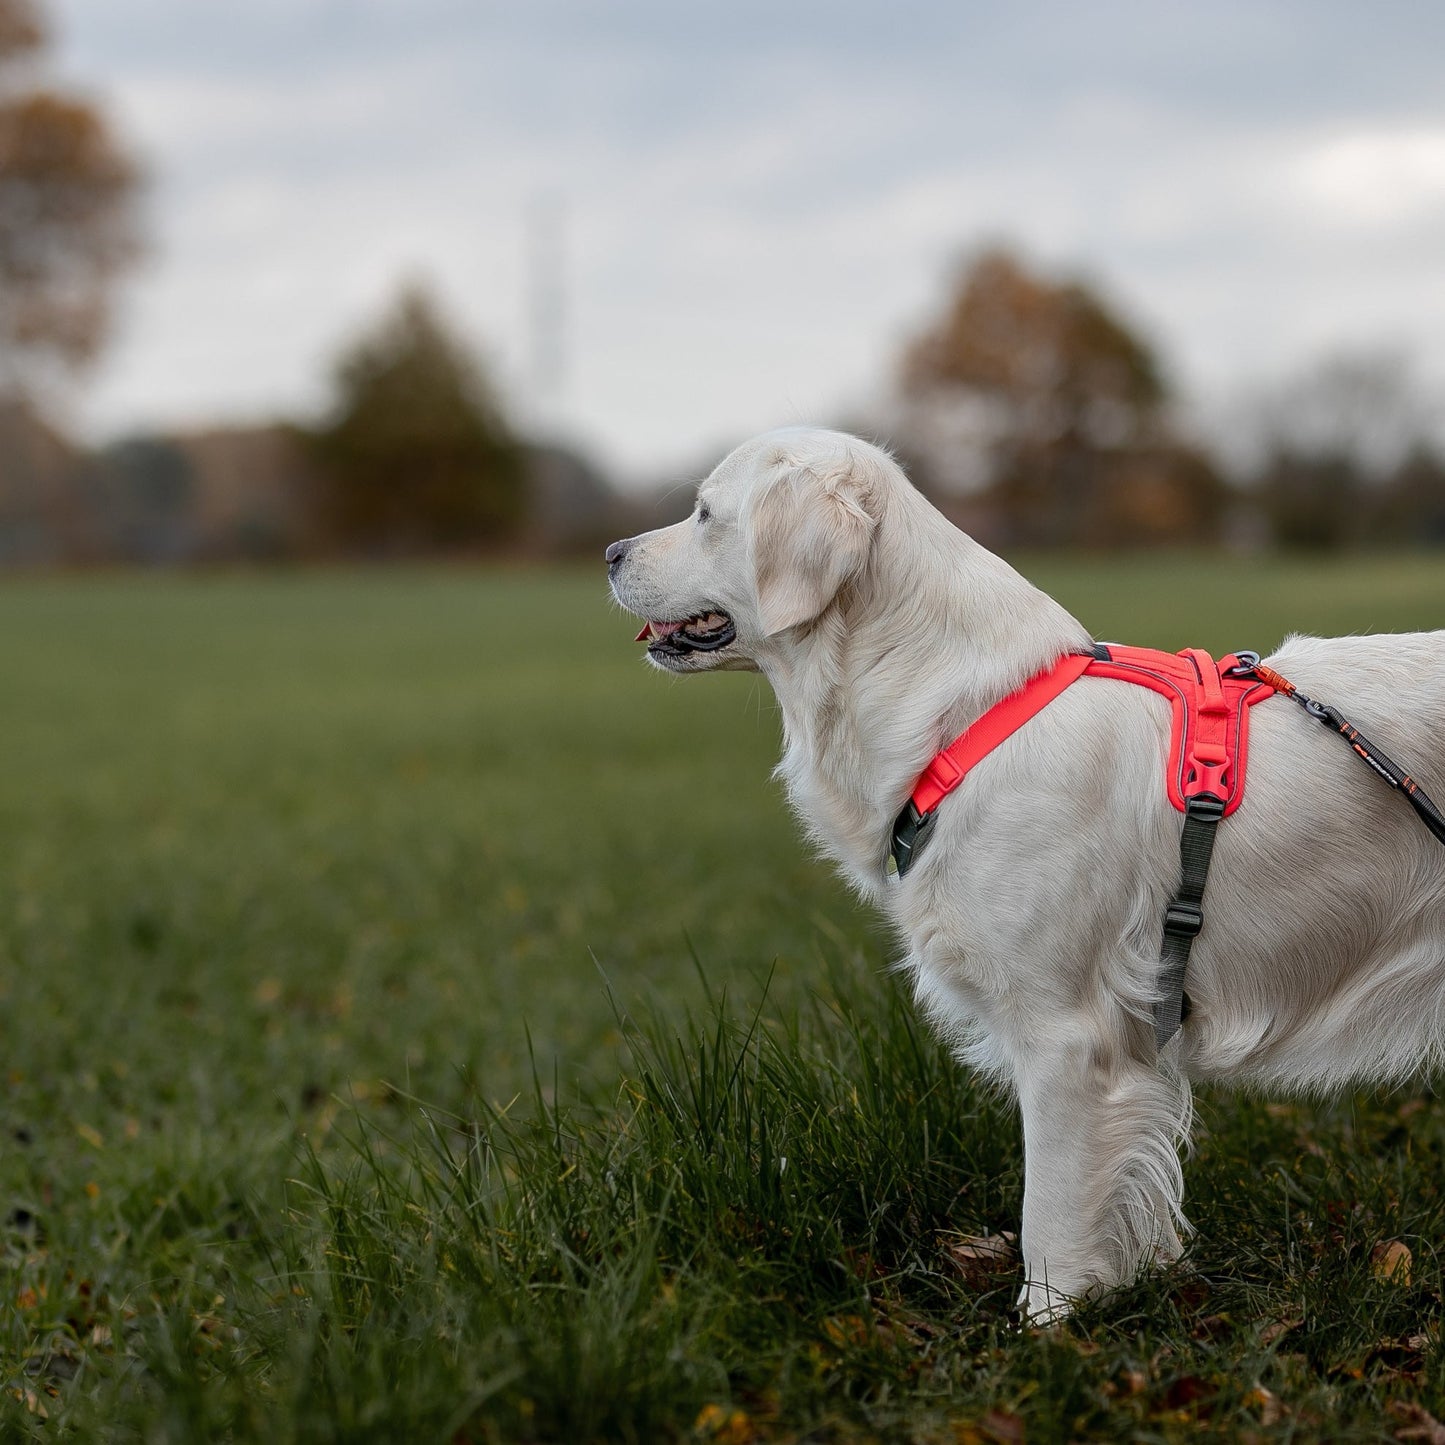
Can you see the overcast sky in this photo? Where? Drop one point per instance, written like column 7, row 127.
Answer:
column 759, row 201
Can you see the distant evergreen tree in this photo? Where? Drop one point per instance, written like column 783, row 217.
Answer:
column 416, row 454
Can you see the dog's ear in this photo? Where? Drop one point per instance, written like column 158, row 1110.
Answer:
column 808, row 531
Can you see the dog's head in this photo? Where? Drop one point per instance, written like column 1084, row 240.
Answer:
column 782, row 525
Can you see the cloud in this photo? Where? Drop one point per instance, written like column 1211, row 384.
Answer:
column 1377, row 178
column 759, row 200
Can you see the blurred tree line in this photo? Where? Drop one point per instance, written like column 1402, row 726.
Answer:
column 414, row 456
column 1030, row 409
column 68, row 222
column 1037, row 416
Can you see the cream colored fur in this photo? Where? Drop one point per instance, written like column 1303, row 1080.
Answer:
column 1032, row 919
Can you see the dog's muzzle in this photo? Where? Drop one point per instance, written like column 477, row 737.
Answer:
column 704, row 632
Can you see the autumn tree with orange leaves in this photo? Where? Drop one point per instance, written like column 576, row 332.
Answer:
column 1048, row 406
column 68, row 216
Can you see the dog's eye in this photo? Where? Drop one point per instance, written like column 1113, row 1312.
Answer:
column 704, row 513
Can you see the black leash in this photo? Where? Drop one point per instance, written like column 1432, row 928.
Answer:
column 1390, row 771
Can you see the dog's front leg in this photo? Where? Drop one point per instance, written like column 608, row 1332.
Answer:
column 1102, row 1180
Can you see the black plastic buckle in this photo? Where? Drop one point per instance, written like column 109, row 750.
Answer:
column 1204, row 806
column 910, row 833
column 1184, row 920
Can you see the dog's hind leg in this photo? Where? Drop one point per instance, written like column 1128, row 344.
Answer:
column 1102, row 1178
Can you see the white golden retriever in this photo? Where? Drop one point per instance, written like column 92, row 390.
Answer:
column 1033, row 918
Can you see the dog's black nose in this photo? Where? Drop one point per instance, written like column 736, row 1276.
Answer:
column 616, row 551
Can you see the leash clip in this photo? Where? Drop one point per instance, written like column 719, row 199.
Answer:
column 1246, row 665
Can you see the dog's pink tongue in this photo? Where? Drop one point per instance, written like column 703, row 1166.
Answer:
column 656, row 629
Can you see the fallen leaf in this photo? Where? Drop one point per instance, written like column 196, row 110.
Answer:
column 1416, row 1423
column 1397, row 1357
column 1268, row 1405
column 1186, row 1391
column 1277, row 1329
column 32, row 1402
column 1000, row 1425
column 846, row 1329
column 723, row 1426
column 863, row 1264
column 1391, row 1260
column 1211, row 1326
column 978, row 1259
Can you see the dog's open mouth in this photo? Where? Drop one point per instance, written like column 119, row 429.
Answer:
column 704, row 632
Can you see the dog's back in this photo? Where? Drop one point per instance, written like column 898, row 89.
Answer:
column 1324, row 959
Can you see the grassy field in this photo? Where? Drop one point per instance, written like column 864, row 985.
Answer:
column 421, row 1024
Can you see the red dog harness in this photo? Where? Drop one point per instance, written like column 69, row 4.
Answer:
column 1210, row 704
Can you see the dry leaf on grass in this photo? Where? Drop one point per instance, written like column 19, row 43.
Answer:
column 1004, row 1427
column 1391, row 1260
column 722, row 1426
column 1190, row 1392
column 32, row 1402
column 1416, row 1423
column 1277, row 1329
column 979, row 1259
column 1268, row 1405
column 998, row 1427
column 848, row 1329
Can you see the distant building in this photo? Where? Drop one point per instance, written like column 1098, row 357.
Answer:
column 42, row 515
column 253, row 491
column 235, row 494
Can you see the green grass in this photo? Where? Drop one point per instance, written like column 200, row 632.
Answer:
column 409, row 1004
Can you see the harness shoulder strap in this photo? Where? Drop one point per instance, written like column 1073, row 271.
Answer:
column 949, row 767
